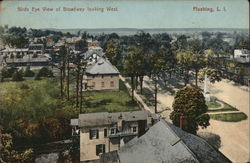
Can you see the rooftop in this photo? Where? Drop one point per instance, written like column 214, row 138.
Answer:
column 105, row 118
column 101, row 66
column 167, row 143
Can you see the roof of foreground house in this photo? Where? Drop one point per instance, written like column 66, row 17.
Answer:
column 167, row 143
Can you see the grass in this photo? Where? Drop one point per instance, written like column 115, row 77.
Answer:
column 109, row 101
column 214, row 104
column 229, row 117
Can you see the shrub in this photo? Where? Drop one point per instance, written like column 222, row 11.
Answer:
column 17, row 76
column 28, row 72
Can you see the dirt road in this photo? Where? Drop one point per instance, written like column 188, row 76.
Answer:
column 235, row 136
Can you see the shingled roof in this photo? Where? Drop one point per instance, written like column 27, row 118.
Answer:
column 105, row 118
column 101, row 66
column 167, row 143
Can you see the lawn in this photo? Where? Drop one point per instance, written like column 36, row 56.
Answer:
column 31, row 107
column 229, row 117
column 215, row 104
column 109, row 101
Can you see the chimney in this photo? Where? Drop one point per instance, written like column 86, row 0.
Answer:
column 183, row 122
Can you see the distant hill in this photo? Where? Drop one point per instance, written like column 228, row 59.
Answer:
column 131, row 31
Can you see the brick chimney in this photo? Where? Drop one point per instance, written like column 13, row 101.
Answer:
column 183, row 122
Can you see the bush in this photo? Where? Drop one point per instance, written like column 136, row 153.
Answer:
column 45, row 72
column 8, row 72
column 17, row 76
column 28, row 72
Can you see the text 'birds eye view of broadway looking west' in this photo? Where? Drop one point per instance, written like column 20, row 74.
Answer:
column 108, row 81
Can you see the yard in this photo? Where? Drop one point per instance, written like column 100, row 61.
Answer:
column 30, row 109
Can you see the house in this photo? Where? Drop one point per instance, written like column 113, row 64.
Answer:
column 166, row 143
column 40, row 61
column 104, row 132
column 36, row 48
column 14, row 52
column 101, row 75
column 242, row 55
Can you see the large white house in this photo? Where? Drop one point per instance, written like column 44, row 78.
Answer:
column 242, row 55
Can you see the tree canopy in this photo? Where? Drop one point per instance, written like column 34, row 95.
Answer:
column 190, row 103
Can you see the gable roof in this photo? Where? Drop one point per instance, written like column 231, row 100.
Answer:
column 105, row 118
column 167, row 143
column 159, row 144
column 101, row 66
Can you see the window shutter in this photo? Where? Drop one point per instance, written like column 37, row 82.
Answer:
column 97, row 134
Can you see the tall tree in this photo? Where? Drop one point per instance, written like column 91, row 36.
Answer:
column 189, row 103
column 62, row 67
column 130, row 65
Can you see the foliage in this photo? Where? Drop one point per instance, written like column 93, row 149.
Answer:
column 17, row 76
column 17, row 41
column 190, row 103
column 28, row 72
column 45, row 72
column 7, row 154
column 8, row 72
column 113, row 52
column 55, row 128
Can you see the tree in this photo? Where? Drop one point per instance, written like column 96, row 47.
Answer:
column 130, row 65
column 28, row 72
column 7, row 154
column 185, row 62
column 190, row 103
column 17, row 76
column 113, row 52
column 45, row 72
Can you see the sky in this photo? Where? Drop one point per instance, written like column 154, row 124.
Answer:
column 127, row 14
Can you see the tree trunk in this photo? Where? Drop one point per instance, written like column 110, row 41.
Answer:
column 136, row 82
column 141, row 82
column 68, row 79
column 186, row 76
column 156, row 94
column 61, row 82
column 196, row 77
column 81, row 85
column 77, row 85
column 132, row 86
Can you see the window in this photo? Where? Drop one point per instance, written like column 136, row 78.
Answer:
column 113, row 131
column 100, row 149
column 105, row 132
column 111, row 76
column 93, row 134
column 102, row 76
column 93, row 84
column 102, row 84
column 112, row 84
column 134, row 129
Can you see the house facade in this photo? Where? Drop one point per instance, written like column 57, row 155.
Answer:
column 105, row 132
column 101, row 75
column 242, row 55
